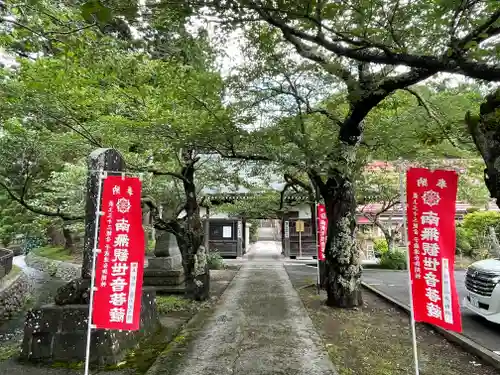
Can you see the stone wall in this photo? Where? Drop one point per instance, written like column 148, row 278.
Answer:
column 62, row 270
column 6, row 257
column 13, row 294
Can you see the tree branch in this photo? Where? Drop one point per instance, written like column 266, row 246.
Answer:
column 310, row 53
column 156, row 172
column 432, row 115
column 381, row 54
column 40, row 211
column 172, row 226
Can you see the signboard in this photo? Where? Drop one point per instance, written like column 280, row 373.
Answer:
column 120, row 261
column 287, row 229
column 322, row 230
column 431, row 202
column 240, row 230
column 227, row 232
column 299, row 226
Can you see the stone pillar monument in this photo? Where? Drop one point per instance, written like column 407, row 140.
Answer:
column 58, row 332
column 165, row 272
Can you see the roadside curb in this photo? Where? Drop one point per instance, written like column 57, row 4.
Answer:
column 465, row 343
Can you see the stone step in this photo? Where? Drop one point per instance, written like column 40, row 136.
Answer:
column 163, row 281
column 158, row 272
column 170, row 289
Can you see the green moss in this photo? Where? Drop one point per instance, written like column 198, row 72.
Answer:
column 54, row 253
column 9, row 350
column 143, row 357
column 167, row 304
column 180, row 339
column 68, row 365
column 150, row 249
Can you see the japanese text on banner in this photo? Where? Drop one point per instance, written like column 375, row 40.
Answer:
column 120, row 262
column 431, row 200
column 322, row 231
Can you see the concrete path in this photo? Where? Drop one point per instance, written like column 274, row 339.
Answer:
column 260, row 326
column 267, row 234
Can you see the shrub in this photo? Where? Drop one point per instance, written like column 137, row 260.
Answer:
column 150, row 247
column 214, row 260
column 463, row 242
column 474, row 238
column 480, row 253
column 254, row 228
column 380, row 246
column 394, row 260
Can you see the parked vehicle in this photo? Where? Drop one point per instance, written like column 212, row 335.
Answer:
column 482, row 283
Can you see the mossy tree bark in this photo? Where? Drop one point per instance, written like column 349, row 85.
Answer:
column 343, row 269
column 485, row 131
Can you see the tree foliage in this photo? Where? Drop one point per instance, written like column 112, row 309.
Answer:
column 92, row 75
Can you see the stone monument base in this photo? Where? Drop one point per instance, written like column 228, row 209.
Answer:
column 55, row 333
column 164, row 281
column 165, row 274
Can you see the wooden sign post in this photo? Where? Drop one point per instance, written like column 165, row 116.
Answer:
column 299, row 227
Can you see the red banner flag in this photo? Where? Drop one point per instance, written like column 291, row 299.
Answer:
column 322, row 230
column 431, row 203
column 120, row 262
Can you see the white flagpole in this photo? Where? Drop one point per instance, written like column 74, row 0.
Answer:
column 98, row 214
column 408, row 259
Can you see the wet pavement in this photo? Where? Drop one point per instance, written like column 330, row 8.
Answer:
column 260, row 326
column 43, row 292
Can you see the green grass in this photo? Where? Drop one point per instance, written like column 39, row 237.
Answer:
column 54, row 253
column 375, row 340
column 166, row 304
column 9, row 350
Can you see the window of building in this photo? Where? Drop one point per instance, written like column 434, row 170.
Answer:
column 370, row 251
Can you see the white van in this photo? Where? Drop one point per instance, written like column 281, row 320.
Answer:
column 482, row 284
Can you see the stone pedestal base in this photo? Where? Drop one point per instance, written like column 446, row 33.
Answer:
column 164, row 281
column 166, row 263
column 55, row 333
column 165, row 274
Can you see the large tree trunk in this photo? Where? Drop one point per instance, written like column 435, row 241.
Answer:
column 196, row 272
column 69, row 242
column 390, row 243
column 188, row 232
column 343, row 268
column 485, row 131
column 55, row 235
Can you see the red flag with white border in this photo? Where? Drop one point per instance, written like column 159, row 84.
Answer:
column 431, row 203
column 120, row 262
